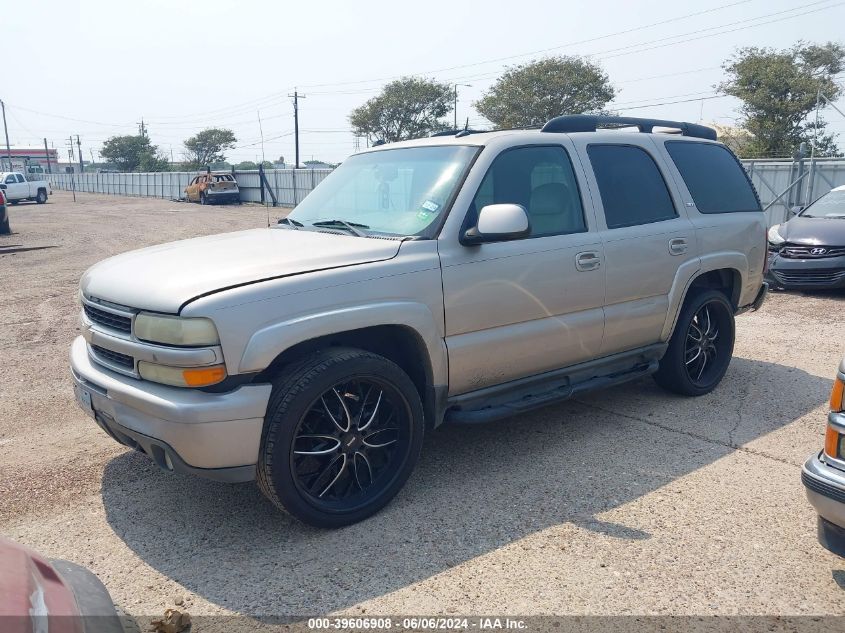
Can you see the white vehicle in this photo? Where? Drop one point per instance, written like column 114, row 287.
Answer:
column 17, row 188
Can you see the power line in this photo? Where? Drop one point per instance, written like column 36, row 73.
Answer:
column 544, row 50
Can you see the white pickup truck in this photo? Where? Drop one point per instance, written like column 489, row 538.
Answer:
column 17, row 188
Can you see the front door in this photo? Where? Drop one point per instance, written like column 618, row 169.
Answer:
column 16, row 190
column 518, row 308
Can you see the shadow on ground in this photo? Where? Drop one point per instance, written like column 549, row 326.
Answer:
column 475, row 490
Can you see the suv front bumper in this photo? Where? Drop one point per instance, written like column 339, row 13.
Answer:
column 214, row 435
column 825, row 487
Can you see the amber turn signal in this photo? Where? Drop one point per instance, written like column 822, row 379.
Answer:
column 836, row 395
column 831, row 443
column 204, row 376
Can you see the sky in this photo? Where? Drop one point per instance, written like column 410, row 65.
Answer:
column 97, row 67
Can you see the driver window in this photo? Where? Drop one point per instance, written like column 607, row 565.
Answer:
column 10, row 179
column 541, row 179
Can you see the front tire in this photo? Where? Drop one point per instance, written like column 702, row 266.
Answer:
column 342, row 434
column 203, row 198
column 701, row 346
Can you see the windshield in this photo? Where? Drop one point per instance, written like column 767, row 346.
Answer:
column 394, row 192
column 830, row 205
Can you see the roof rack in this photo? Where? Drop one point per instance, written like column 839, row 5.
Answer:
column 590, row 122
column 458, row 133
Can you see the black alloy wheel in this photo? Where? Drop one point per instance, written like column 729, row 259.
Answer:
column 343, row 432
column 701, row 346
column 349, row 442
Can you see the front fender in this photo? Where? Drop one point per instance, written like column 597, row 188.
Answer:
column 267, row 343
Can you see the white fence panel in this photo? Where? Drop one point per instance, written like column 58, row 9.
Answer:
column 289, row 185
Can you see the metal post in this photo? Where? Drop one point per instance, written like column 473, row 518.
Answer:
column 79, row 146
column 6, row 130
column 47, row 154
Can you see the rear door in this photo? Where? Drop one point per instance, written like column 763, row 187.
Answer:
column 646, row 237
column 28, row 190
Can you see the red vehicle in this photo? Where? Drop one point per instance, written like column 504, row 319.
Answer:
column 37, row 594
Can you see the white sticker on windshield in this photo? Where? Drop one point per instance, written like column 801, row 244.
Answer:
column 430, row 205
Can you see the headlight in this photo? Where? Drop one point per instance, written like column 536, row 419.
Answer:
column 775, row 238
column 182, row 376
column 173, row 330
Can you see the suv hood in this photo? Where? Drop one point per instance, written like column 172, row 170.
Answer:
column 163, row 278
column 822, row 231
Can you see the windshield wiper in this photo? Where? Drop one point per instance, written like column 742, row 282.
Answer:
column 351, row 227
column 292, row 223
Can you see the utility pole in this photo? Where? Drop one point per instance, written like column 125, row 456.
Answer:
column 72, row 177
column 6, row 130
column 261, row 131
column 47, row 154
column 79, row 147
column 296, row 97
column 142, row 129
column 456, row 101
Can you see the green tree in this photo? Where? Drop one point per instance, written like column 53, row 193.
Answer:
column 778, row 89
column 530, row 94
column 208, row 146
column 132, row 153
column 409, row 107
column 246, row 165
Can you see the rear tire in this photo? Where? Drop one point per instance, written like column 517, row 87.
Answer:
column 343, row 432
column 5, row 228
column 701, row 346
column 41, row 198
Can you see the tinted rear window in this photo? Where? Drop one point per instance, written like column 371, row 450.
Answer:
column 715, row 179
column 632, row 188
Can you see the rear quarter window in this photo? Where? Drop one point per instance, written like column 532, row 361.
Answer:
column 714, row 177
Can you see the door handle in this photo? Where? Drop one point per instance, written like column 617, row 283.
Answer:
column 678, row 246
column 589, row 260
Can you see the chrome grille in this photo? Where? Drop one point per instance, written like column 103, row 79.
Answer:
column 812, row 252
column 116, row 358
column 108, row 319
column 810, row 276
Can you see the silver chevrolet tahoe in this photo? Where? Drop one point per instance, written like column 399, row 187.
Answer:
column 460, row 278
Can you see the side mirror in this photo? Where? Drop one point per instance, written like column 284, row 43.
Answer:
column 498, row 223
column 2, row 186
column 796, row 209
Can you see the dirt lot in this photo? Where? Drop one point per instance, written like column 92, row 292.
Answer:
column 629, row 501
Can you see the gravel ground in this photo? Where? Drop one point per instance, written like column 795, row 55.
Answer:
column 627, row 501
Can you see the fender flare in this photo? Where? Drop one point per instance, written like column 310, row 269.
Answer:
column 689, row 271
column 268, row 342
